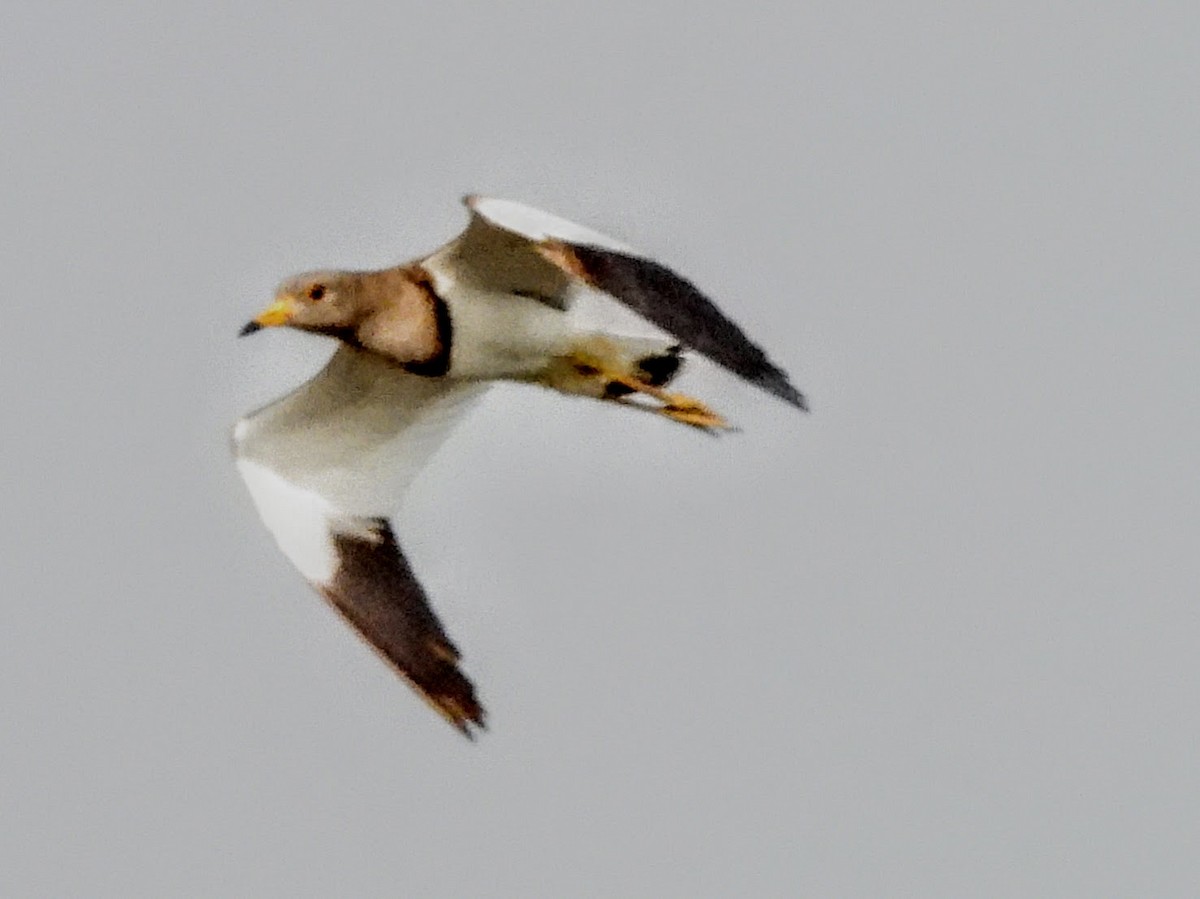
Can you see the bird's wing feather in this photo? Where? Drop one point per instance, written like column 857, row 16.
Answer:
column 500, row 260
column 515, row 247
column 325, row 466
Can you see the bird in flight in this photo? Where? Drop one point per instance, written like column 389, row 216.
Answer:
column 327, row 464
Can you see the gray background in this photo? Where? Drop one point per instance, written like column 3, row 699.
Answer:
column 938, row 638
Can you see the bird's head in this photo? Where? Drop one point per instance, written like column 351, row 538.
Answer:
column 324, row 302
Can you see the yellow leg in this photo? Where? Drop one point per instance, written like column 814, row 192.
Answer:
column 676, row 406
column 599, row 369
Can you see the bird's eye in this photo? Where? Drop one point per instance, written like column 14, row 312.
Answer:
column 316, row 292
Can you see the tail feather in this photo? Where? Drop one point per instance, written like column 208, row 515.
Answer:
column 660, row 368
column 598, row 363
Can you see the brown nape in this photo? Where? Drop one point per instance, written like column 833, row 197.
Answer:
column 405, row 320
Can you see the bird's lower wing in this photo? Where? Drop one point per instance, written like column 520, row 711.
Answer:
column 375, row 589
column 648, row 288
column 325, row 465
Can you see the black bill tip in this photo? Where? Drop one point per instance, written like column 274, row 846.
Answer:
column 249, row 328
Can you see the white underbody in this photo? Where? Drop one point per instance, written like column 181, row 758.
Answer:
column 501, row 335
column 341, row 450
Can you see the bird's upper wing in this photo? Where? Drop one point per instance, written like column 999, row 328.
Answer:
column 513, row 247
column 326, row 465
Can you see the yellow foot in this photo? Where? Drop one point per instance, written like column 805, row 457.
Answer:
column 692, row 412
column 599, row 368
column 676, row 406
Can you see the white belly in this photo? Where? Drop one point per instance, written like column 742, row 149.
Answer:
column 501, row 335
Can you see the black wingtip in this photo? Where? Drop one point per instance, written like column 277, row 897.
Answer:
column 249, row 328
column 776, row 383
column 676, row 305
column 796, row 398
column 378, row 593
column 472, row 728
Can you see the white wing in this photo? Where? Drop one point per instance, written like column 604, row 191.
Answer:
column 326, row 465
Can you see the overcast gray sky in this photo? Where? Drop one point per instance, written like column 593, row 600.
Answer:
column 939, row 638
